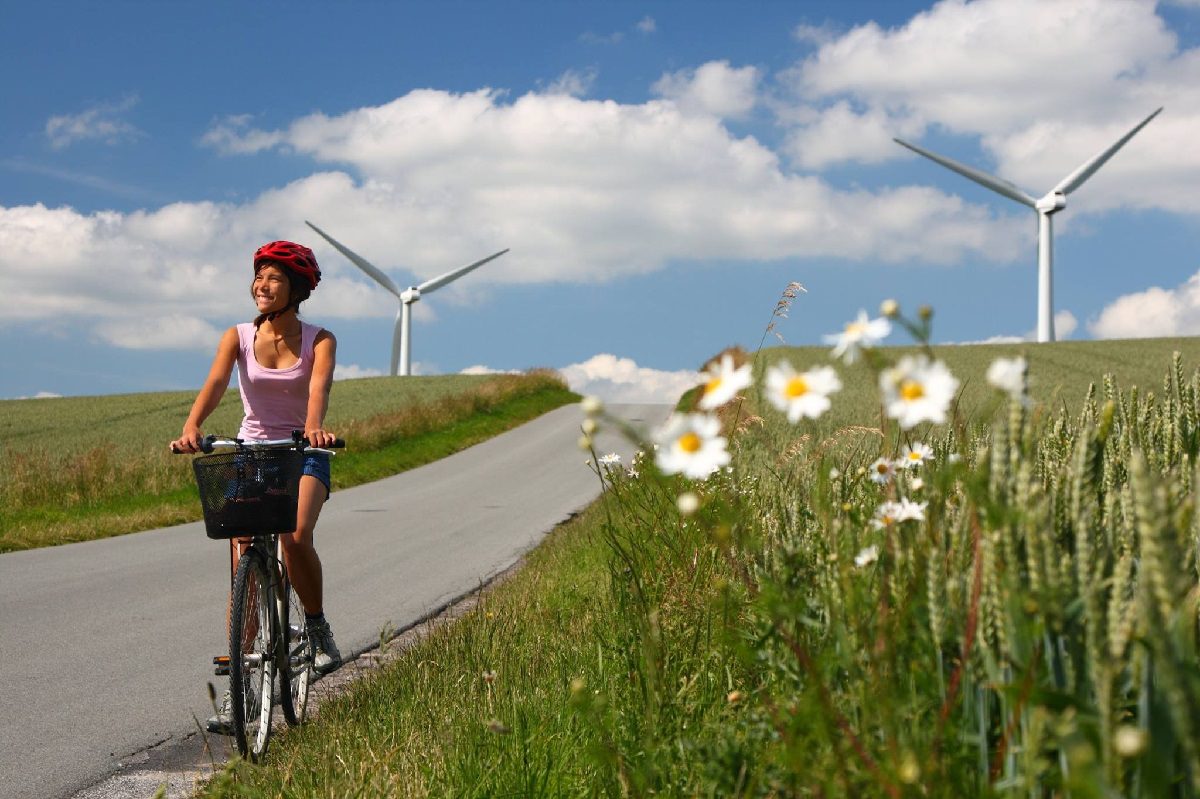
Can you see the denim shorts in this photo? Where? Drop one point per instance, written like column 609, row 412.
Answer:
column 317, row 465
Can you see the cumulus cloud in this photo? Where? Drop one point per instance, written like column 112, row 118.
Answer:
column 352, row 371
column 616, row 379
column 160, row 333
column 980, row 69
column 715, row 89
column 1152, row 313
column 100, row 122
column 646, row 25
column 1065, row 324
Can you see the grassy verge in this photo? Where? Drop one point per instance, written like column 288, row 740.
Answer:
column 1030, row 632
column 99, row 492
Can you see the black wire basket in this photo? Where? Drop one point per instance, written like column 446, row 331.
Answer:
column 248, row 493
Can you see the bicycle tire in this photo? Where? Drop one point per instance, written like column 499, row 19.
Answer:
column 252, row 655
column 295, row 663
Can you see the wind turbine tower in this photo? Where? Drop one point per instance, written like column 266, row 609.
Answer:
column 1046, row 207
column 401, row 334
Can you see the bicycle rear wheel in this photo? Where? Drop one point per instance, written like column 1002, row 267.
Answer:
column 252, row 653
column 295, row 667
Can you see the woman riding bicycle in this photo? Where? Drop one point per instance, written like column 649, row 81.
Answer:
column 285, row 371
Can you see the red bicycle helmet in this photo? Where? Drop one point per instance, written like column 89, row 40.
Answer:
column 294, row 257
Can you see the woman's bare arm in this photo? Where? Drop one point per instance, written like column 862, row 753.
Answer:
column 211, row 393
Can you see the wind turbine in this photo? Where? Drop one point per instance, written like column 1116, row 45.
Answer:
column 1054, row 201
column 401, row 334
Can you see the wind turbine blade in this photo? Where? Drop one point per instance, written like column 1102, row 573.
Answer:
column 359, row 261
column 982, row 178
column 438, row 282
column 1074, row 180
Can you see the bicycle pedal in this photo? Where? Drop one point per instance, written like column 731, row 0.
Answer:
column 221, row 663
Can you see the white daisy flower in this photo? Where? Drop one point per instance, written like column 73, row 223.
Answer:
column 1008, row 375
column 611, row 459
column 917, row 390
column 688, row 503
column 862, row 332
column 723, row 382
column 907, row 510
column 890, row 513
column 591, row 405
column 801, row 394
column 916, row 484
column 867, row 556
column 881, row 470
column 690, row 443
column 914, row 455
column 886, row 515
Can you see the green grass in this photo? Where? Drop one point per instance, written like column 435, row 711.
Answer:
column 64, row 483
column 742, row 653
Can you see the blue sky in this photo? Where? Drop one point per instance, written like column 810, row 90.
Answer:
column 660, row 171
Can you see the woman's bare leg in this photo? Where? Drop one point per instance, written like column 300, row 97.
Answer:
column 303, row 564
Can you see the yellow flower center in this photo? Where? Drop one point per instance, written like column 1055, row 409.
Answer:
column 796, row 387
column 911, row 390
column 882, row 468
column 888, row 521
column 914, row 456
column 712, row 385
column 855, row 329
column 689, row 442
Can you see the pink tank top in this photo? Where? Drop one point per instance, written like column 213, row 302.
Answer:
column 275, row 400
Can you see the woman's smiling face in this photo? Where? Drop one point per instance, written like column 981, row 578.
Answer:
column 270, row 289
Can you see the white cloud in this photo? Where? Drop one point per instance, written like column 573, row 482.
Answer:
column 101, row 122
column 233, row 134
column 160, row 333
column 1043, row 86
column 646, row 25
column 480, row 369
column 615, row 379
column 1151, row 313
column 573, row 83
column 1065, row 324
column 39, row 395
column 559, row 174
column 715, row 89
column 819, row 35
column 352, row 371
column 443, row 179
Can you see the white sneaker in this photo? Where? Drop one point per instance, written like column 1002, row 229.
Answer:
column 222, row 723
column 326, row 657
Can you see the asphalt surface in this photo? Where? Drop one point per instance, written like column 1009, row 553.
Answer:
column 106, row 646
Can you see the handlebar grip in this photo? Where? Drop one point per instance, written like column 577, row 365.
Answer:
column 338, row 443
column 206, row 446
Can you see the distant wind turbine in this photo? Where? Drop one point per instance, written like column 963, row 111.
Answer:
column 401, row 334
column 1054, row 201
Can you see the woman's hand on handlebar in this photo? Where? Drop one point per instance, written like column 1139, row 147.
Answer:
column 320, row 438
column 189, row 442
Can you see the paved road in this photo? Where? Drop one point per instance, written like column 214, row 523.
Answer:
column 106, row 645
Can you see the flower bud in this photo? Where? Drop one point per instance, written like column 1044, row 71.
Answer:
column 688, row 503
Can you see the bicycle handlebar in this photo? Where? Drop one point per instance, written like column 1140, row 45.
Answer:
column 210, row 443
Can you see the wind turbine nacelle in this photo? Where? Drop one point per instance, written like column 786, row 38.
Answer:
column 1053, row 202
column 410, row 294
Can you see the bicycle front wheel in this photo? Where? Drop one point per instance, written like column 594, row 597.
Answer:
column 295, row 667
column 252, row 653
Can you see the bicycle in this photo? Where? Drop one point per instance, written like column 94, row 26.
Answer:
column 249, row 492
